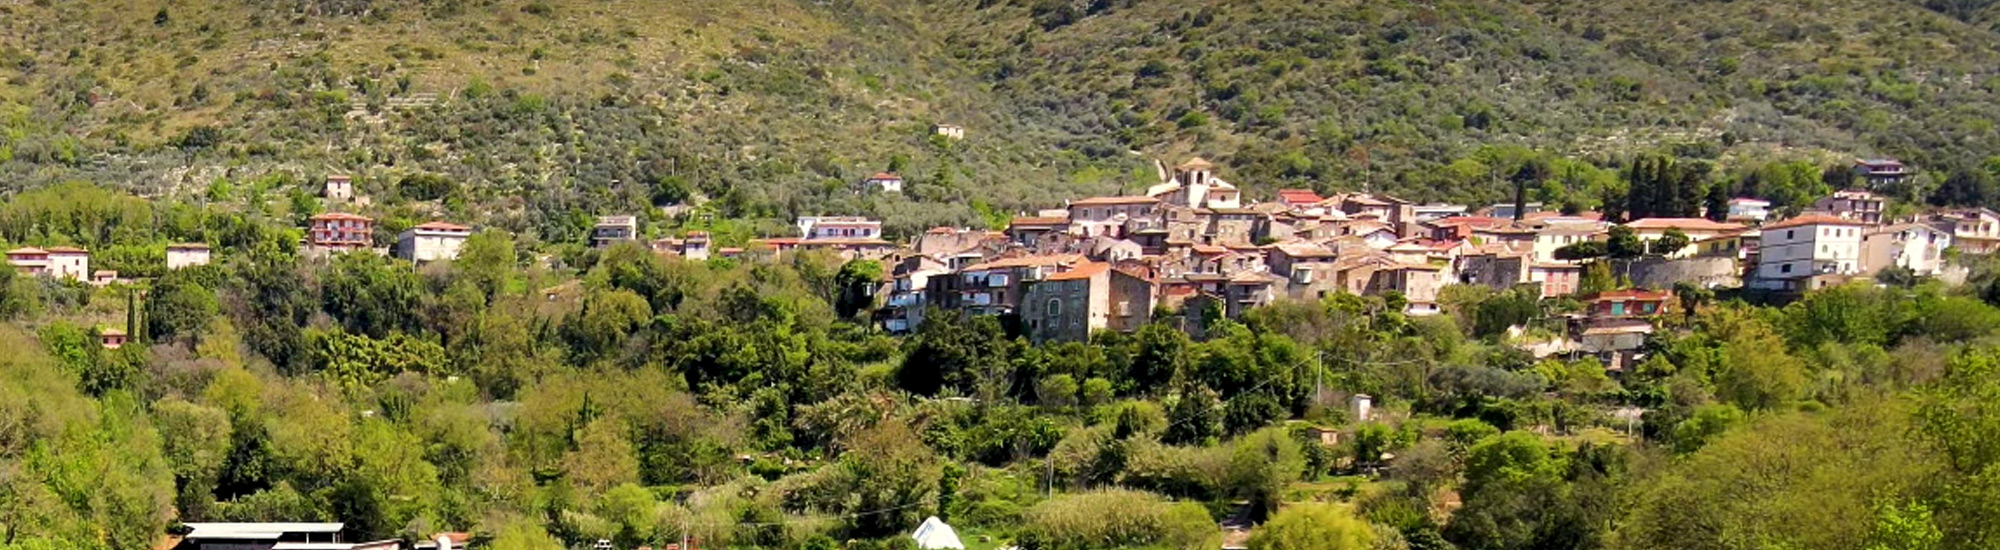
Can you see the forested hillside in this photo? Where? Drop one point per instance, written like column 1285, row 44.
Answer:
column 534, row 114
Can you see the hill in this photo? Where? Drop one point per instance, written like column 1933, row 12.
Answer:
column 538, row 113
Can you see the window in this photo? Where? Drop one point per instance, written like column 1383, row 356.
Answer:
column 1786, row 268
column 1054, row 308
column 1788, row 233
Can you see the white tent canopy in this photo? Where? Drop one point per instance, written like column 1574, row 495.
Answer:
column 935, row 535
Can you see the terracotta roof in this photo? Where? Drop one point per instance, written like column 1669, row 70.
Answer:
column 1210, row 249
column 1366, row 200
column 26, row 250
column 1813, row 219
column 1632, row 294
column 187, row 246
column 442, row 226
column 1698, row 224
column 1026, row 261
column 1304, row 250
column 1299, row 196
column 1195, row 163
column 884, row 176
column 65, row 250
column 342, row 216
column 1475, row 221
column 1081, row 271
column 1038, row 221
column 1094, row 201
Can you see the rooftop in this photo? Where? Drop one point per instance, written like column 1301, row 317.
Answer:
column 1196, row 163
column 343, row 216
column 187, row 246
column 256, row 531
column 884, row 176
column 1813, row 219
column 1080, row 272
column 1299, row 196
column 1698, row 224
column 1105, row 201
column 442, row 226
column 1632, row 294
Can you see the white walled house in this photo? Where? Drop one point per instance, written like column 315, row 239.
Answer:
column 185, row 255
column 1794, row 251
column 883, row 182
column 1195, row 186
column 432, row 241
column 1917, row 246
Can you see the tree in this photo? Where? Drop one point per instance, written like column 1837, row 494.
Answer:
column 950, row 350
column 1195, row 417
column 1622, row 243
column 1966, row 185
column 1669, row 243
column 1313, row 526
column 1586, row 250
column 179, row 307
column 857, row 281
column 487, row 259
column 1597, row 278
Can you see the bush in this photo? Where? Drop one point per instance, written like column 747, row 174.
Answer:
column 1118, row 519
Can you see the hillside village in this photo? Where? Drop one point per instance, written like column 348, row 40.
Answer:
column 1192, row 248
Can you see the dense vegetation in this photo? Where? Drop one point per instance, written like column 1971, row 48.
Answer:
column 535, row 114
column 644, row 399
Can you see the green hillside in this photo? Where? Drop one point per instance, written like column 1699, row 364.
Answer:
column 538, row 113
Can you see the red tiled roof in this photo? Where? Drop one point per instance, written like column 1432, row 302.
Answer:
column 1080, row 272
column 26, row 250
column 442, row 226
column 187, row 246
column 1698, row 224
column 1095, row 201
column 342, row 216
column 65, row 250
column 1813, row 219
column 1026, row 261
column 1299, row 196
column 1632, row 294
column 884, row 176
column 1038, row 221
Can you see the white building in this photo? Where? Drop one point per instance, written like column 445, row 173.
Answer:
column 839, row 227
column 882, row 182
column 949, row 131
column 1794, row 251
column 612, row 229
column 183, row 255
column 1195, row 186
column 1916, row 246
column 432, row 241
column 1749, row 210
column 61, row 262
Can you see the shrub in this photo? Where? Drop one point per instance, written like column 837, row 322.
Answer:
column 1117, row 519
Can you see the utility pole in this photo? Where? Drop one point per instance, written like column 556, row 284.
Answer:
column 1319, row 375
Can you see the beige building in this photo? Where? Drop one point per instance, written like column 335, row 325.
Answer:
column 432, row 241
column 1068, row 306
column 61, row 262
column 185, row 255
column 1194, row 185
column 1696, row 229
column 1916, row 246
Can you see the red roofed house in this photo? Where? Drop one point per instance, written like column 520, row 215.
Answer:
column 1697, row 230
column 61, row 262
column 1629, row 303
column 341, row 232
column 1797, row 254
column 883, row 182
column 995, row 287
column 1068, row 306
column 111, row 338
column 1303, row 201
column 432, row 241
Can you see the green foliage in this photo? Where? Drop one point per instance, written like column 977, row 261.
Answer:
column 1314, row 526
column 1117, row 519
